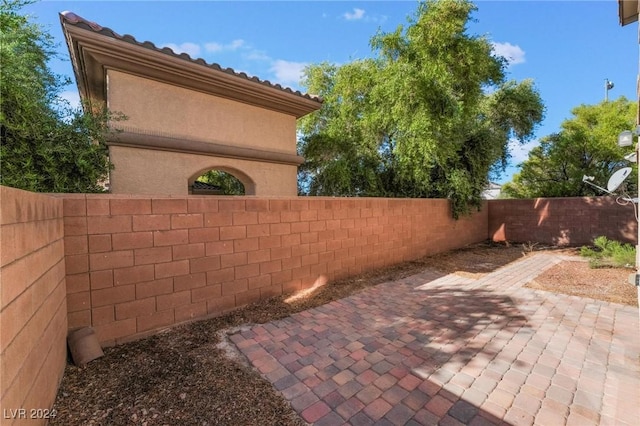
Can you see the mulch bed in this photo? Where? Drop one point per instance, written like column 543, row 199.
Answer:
column 579, row 279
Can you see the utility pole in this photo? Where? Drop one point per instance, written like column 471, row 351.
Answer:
column 608, row 85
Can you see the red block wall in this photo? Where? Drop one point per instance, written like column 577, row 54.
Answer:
column 33, row 312
column 130, row 266
column 561, row 221
column 139, row 264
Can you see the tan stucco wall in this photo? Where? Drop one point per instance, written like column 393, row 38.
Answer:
column 142, row 171
column 167, row 109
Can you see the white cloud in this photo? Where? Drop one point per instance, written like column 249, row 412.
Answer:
column 355, row 15
column 381, row 19
column 286, row 71
column 214, row 47
column 512, row 53
column 257, row 55
column 236, row 44
column 191, row 49
column 520, row 152
column 361, row 15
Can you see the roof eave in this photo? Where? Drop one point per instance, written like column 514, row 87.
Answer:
column 93, row 53
column 627, row 11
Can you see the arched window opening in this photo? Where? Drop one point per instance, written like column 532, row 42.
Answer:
column 217, row 182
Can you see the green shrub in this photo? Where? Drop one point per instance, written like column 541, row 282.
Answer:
column 607, row 253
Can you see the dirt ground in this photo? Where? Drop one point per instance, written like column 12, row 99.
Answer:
column 182, row 376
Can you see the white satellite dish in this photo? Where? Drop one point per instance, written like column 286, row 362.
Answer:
column 617, row 178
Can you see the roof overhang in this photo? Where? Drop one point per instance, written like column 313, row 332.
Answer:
column 627, row 11
column 94, row 50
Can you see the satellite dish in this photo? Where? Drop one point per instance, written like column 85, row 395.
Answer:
column 617, row 178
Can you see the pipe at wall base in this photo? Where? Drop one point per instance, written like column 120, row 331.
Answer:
column 84, row 346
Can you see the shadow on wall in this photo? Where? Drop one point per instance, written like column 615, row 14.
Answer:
column 561, row 221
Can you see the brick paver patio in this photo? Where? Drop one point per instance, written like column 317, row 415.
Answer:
column 449, row 350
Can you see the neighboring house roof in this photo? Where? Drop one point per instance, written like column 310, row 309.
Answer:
column 491, row 191
column 204, row 185
column 94, row 49
column 627, row 11
column 204, row 188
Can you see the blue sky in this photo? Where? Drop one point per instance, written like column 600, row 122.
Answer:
column 568, row 48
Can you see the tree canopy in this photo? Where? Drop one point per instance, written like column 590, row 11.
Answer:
column 585, row 145
column 47, row 146
column 228, row 184
column 429, row 115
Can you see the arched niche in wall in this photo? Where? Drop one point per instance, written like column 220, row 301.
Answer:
column 221, row 181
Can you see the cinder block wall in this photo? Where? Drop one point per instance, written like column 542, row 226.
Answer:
column 561, row 221
column 130, row 266
column 33, row 310
column 138, row 264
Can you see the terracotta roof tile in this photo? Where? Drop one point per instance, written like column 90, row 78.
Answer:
column 79, row 21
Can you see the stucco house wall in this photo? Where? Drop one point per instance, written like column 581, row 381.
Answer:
column 179, row 170
column 185, row 117
column 161, row 108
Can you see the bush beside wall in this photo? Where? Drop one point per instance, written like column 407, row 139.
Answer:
column 33, row 310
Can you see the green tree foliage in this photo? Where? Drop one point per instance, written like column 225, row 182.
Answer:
column 47, row 146
column 228, row 184
column 585, row 145
column 430, row 115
